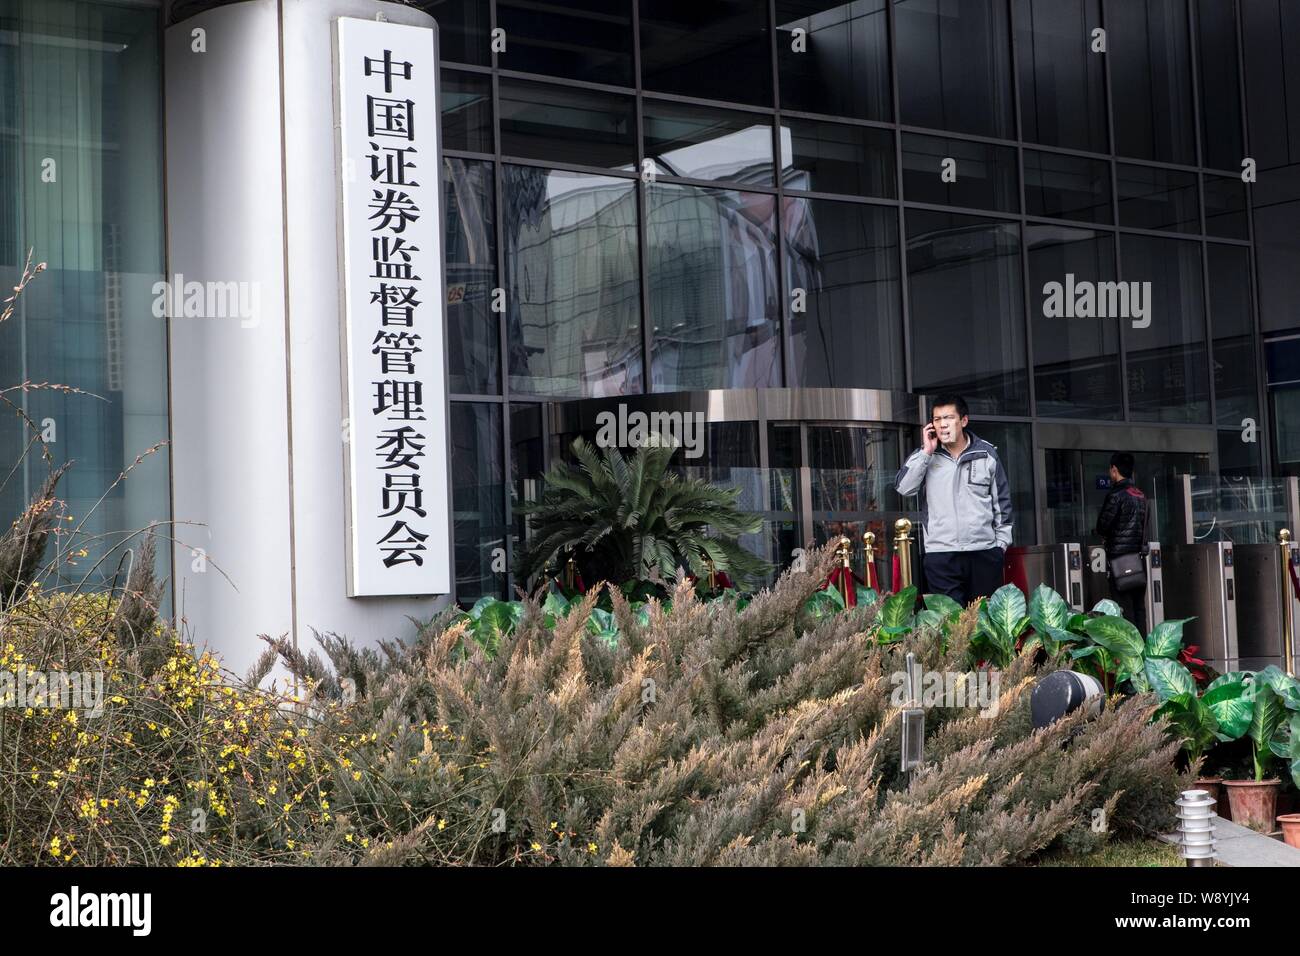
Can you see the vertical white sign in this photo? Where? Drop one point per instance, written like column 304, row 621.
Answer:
column 398, row 508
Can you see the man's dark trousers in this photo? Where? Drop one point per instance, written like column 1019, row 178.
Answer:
column 1133, row 604
column 964, row 576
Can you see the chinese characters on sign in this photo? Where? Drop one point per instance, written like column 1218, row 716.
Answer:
column 396, row 401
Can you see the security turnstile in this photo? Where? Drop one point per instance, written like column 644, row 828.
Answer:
column 1059, row 566
column 1199, row 582
column 1096, row 581
column 1265, row 601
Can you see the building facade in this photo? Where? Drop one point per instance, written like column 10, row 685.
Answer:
column 798, row 217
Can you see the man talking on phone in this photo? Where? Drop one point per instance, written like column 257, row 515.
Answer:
column 965, row 504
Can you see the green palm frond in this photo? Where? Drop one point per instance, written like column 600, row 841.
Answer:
column 631, row 516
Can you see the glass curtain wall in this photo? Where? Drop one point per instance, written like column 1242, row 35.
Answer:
column 870, row 193
column 81, row 189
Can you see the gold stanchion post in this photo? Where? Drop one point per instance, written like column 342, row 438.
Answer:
column 868, row 555
column 568, row 574
column 903, row 547
column 843, row 552
column 1288, row 627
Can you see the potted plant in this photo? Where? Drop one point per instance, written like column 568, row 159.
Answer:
column 1254, row 801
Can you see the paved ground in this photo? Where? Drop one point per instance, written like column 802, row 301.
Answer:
column 1240, row 846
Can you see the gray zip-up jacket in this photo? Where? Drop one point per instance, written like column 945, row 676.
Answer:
column 965, row 504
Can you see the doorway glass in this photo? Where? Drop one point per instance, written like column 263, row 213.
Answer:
column 1076, row 482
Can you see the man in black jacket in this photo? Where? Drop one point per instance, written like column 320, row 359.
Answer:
column 1122, row 526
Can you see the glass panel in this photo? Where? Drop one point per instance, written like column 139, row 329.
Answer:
column 567, row 125
column 1062, row 81
column 836, row 158
column 1235, row 377
column 1284, row 402
column 984, row 176
column 1241, row 508
column 579, row 39
column 1216, row 35
column 718, row 50
column 968, row 320
column 954, row 66
column 781, row 522
column 1269, row 68
column 841, row 63
column 730, row 459
column 1067, row 187
column 1239, row 459
column 711, row 257
column 1225, row 207
column 473, row 343
column 1151, row 73
column 852, row 471
column 82, row 83
column 1277, row 250
column 1012, row 444
column 573, row 301
column 463, row 30
column 527, row 464
column 478, row 505
column 1076, row 353
column 1167, row 376
column 466, row 111
column 696, row 142
column 842, row 263
column 1151, row 198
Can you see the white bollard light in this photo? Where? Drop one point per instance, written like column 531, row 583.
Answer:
column 1197, row 842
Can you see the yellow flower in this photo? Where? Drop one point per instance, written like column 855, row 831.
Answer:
column 535, row 846
column 442, row 824
column 55, row 844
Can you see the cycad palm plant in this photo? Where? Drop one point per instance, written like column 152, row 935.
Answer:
column 625, row 518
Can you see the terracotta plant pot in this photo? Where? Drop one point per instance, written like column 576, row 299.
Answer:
column 1290, row 824
column 1211, row 785
column 1253, row 802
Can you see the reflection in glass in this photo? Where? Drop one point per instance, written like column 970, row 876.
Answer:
column 466, row 111
column 579, row 39
column 968, row 325
column 82, row 84
column 986, row 175
column 1277, row 250
column 1216, row 36
column 1067, row 187
column 844, row 259
column 843, row 66
column 1076, row 357
column 1012, row 444
column 567, row 125
column 954, row 66
column 477, row 502
column 717, row 50
column 1235, row 367
column 696, row 142
column 473, row 344
column 573, row 302
column 730, row 459
column 463, row 28
column 1151, row 72
column 711, row 258
column 1168, row 380
column 1062, row 82
column 1151, row 198
column 837, row 158
column 527, row 464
